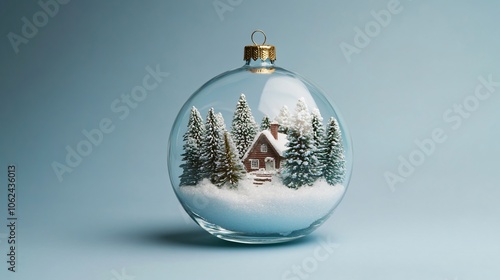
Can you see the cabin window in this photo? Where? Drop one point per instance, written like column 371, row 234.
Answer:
column 263, row 148
column 254, row 163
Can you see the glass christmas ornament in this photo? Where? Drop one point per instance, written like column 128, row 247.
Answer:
column 259, row 154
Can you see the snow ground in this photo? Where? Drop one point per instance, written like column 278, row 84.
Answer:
column 270, row 208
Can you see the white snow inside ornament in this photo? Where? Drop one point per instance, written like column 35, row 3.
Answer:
column 267, row 182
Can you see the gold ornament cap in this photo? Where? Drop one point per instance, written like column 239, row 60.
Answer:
column 262, row 51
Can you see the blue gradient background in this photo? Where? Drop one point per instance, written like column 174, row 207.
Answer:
column 116, row 212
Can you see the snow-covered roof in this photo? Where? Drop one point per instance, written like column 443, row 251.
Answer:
column 278, row 144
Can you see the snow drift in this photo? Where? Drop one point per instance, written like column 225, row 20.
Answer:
column 270, row 208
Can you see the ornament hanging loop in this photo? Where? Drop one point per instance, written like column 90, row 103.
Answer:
column 260, row 31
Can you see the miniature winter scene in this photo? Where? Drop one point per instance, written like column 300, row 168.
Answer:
column 279, row 176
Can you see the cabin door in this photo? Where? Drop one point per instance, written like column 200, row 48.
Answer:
column 270, row 165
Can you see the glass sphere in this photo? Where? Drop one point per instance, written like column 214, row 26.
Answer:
column 259, row 155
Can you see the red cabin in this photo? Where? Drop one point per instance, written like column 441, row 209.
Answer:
column 266, row 151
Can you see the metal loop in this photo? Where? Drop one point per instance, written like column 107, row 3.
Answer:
column 258, row 30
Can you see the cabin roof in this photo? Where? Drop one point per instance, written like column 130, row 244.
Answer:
column 278, row 144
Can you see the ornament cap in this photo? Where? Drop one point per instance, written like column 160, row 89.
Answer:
column 261, row 51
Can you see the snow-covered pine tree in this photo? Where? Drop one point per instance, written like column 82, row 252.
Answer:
column 301, row 119
column 265, row 124
column 193, row 139
column 243, row 128
column 211, row 138
column 229, row 168
column 334, row 168
column 220, row 121
column 318, row 133
column 301, row 164
column 283, row 119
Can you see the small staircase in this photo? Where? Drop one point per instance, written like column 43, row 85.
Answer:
column 261, row 178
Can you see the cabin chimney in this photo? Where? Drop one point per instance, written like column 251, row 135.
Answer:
column 274, row 129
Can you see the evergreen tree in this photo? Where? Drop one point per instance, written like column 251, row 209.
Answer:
column 302, row 167
column 243, row 128
column 265, row 124
column 193, row 142
column 318, row 133
column 220, row 121
column 229, row 169
column 301, row 119
column 334, row 169
column 283, row 119
column 211, row 139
